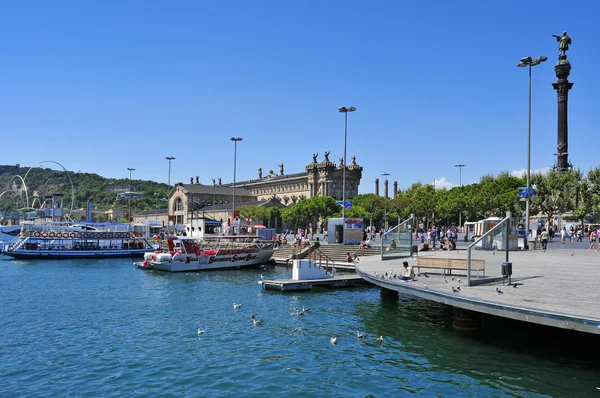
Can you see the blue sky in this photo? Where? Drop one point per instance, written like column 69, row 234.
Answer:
column 101, row 86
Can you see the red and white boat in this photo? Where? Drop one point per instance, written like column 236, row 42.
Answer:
column 189, row 254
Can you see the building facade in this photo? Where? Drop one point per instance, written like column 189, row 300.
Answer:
column 215, row 201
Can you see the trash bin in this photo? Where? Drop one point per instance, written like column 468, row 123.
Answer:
column 414, row 250
column 506, row 272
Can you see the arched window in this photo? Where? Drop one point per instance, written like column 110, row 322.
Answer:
column 179, row 205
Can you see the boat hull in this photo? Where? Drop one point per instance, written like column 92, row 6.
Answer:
column 55, row 254
column 206, row 263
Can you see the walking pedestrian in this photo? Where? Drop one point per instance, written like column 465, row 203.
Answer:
column 593, row 238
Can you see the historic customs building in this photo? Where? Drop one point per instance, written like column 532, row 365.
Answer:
column 215, row 201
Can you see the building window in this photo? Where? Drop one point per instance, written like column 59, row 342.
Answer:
column 179, row 205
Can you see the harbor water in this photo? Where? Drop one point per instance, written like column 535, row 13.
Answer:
column 105, row 328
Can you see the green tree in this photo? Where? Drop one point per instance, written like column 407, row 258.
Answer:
column 371, row 204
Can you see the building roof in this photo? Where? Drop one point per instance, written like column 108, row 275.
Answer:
column 269, row 178
column 229, row 206
column 216, row 189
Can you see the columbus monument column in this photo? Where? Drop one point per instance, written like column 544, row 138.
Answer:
column 562, row 87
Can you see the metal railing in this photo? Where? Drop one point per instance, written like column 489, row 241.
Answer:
column 398, row 241
column 484, row 255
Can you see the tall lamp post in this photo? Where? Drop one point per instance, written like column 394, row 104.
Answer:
column 460, row 166
column 528, row 61
column 235, row 141
column 129, row 193
column 386, row 196
column 345, row 111
column 169, row 158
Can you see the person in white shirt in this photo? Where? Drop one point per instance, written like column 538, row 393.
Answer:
column 409, row 273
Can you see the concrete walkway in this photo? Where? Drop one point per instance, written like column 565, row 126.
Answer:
column 559, row 287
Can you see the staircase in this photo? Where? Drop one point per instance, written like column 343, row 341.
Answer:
column 286, row 253
column 338, row 252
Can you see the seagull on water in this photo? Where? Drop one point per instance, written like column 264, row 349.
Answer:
column 454, row 289
column 452, row 278
column 256, row 322
column 200, row 331
column 299, row 313
column 379, row 339
column 499, row 291
column 425, row 286
column 333, row 340
column 360, row 335
column 573, row 253
column 236, row 306
column 459, row 280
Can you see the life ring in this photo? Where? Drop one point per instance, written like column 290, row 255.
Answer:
column 103, row 234
column 36, row 234
column 73, row 234
column 44, row 234
column 65, row 234
column 51, row 234
column 78, row 234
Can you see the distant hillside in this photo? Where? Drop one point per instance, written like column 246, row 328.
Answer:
column 101, row 191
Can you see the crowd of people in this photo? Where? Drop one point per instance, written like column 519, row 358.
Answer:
column 438, row 238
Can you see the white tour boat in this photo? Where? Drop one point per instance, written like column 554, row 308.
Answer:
column 190, row 254
column 58, row 240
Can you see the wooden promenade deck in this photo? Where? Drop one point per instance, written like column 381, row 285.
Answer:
column 290, row 285
column 558, row 288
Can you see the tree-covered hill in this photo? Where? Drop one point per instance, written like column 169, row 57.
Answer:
column 101, row 191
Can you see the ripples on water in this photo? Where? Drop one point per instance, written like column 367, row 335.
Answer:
column 105, row 328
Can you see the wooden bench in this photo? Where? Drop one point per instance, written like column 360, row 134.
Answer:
column 448, row 264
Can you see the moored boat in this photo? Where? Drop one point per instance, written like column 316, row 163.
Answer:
column 57, row 240
column 189, row 254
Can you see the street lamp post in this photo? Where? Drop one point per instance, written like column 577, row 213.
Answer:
column 345, row 111
column 214, row 197
column 460, row 166
column 528, row 61
column 235, row 141
column 129, row 193
column 169, row 158
column 386, row 196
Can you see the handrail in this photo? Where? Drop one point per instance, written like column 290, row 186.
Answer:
column 497, row 226
column 411, row 218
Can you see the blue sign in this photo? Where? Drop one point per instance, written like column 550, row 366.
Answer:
column 348, row 204
column 523, row 192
